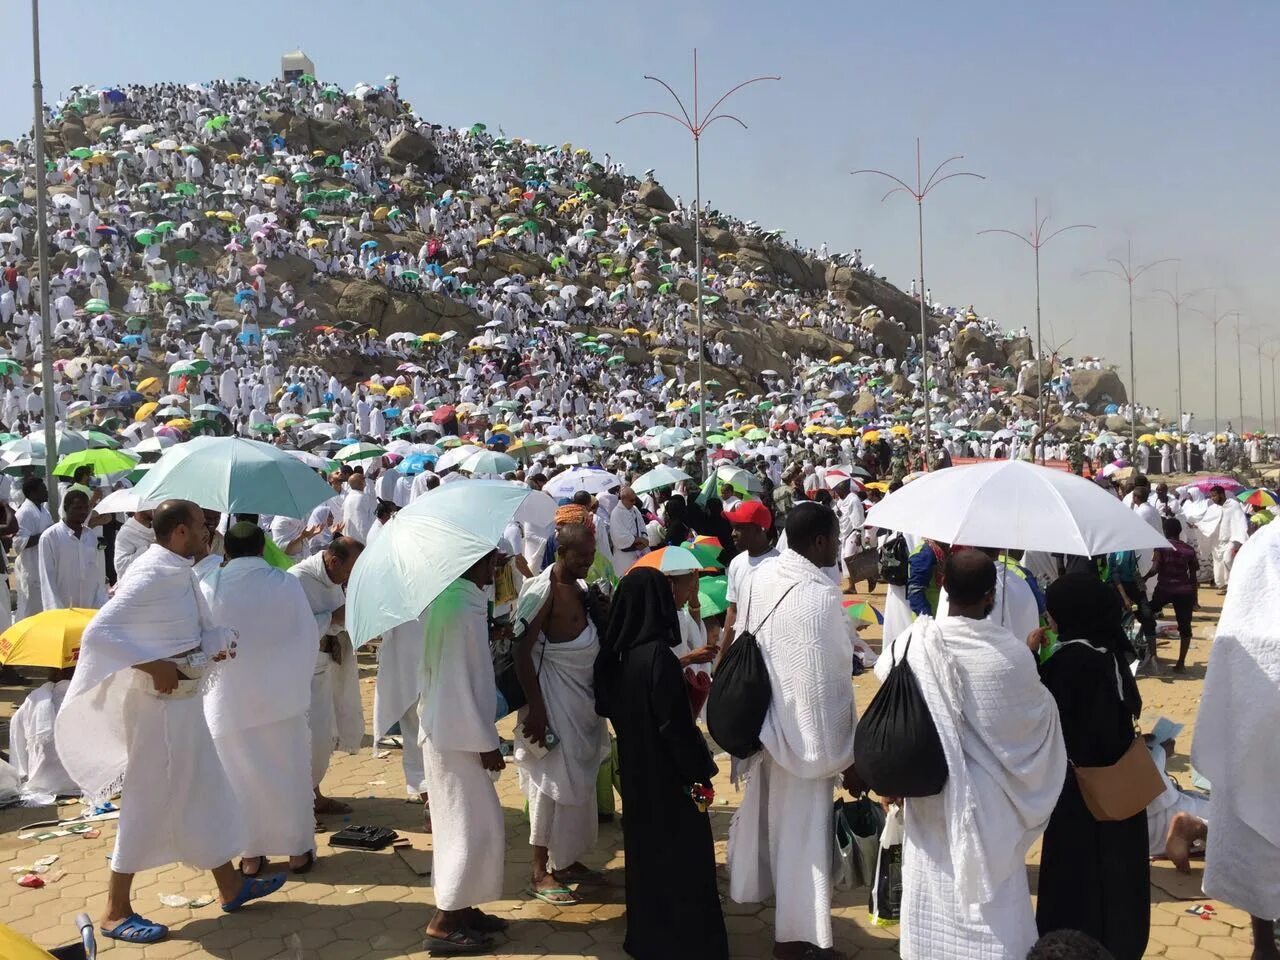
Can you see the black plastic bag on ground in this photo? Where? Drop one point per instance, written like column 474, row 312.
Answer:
column 896, row 749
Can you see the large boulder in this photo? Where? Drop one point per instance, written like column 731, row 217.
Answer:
column 652, row 195
column 719, row 239
column 1018, row 351
column 1067, row 426
column 411, row 147
column 67, row 135
column 892, row 335
column 677, row 235
column 972, row 340
column 1097, row 388
column 801, row 270
column 864, row 405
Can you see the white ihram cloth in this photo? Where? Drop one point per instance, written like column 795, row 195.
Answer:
column 257, row 712
column 114, row 730
column 852, row 516
column 70, row 575
column 395, row 697
column 132, row 540
column 964, row 881
column 561, row 784
column 32, row 748
column 1235, row 744
column 1015, row 609
column 32, row 521
column 336, row 716
column 781, row 837
column 625, row 525
column 457, row 709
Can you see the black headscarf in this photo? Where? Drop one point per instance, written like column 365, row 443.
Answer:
column 643, row 611
column 1085, row 608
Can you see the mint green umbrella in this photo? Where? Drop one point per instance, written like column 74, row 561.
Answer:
column 432, row 543
column 233, row 475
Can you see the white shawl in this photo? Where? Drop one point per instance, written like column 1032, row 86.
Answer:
column 132, row 540
column 157, row 612
column 270, row 678
column 808, row 730
column 1235, row 744
column 1000, row 732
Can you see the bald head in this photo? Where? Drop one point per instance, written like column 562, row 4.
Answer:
column 627, row 497
column 178, row 525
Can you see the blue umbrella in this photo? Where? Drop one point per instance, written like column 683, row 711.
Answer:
column 132, row 339
column 247, row 337
column 294, row 388
column 368, row 244
column 415, row 463
column 128, row 398
column 391, row 412
column 243, row 295
column 115, row 96
column 348, row 166
column 373, row 261
column 235, row 476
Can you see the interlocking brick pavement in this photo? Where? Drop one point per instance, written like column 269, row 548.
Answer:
column 370, row 906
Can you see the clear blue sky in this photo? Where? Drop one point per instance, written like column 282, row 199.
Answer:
column 1153, row 119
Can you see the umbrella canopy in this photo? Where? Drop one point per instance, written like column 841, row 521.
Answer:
column 658, row 478
column 432, row 543
column 1011, row 503
column 566, row 484
column 488, row 461
column 102, row 461
column 712, row 595
column 670, row 560
column 50, row 639
column 235, row 476
column 860, row 611
column 359, row 451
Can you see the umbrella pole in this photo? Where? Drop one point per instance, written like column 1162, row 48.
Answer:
column 42, row 256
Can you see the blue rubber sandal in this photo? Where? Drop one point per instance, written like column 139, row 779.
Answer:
column 253, row 889
column 135, row 929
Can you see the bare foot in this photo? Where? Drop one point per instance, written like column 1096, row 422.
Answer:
column 552, row 890
column 328, row 805
column 1184, row 831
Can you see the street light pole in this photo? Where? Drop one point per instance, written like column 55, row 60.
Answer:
column 1035, row 240
column 1178, row 299
column 1239, row 374
column 1215, row 319
column 1128, row 273
column 696, row 124
column 918, row 193
column 42, row 257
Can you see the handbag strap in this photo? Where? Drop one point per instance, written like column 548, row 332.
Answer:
column 1119, row 683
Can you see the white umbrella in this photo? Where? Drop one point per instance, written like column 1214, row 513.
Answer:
column 456, row 456
column 432, row 543
column 1015, row 504
column 154, row 444
column 569, row 482
column 658, row 478
column 487, row 461
column 124, row 501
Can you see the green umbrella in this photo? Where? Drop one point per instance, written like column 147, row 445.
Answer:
column 309, row 213
column 165, row 226
column 186, row 189
column 97, row 305
column 614, row 361
column 233, row 475
column 712, row 595
column 9, row 368
column 158, row 286
column 268, row 428
column 146, row 237
column 189, row 367
column 102, row 460
column 187, row 256
column 80, row 153
column 358, row 451
column 320, row 413
column 195, row 297
column 301, row 177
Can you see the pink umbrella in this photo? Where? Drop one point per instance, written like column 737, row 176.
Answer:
column 260, row 235
column 167, row 431
column 288, row 322
column 258, row 269
column 233, row 246
column 1226, row 483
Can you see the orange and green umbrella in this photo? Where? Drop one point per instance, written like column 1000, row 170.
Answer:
column 860, row 611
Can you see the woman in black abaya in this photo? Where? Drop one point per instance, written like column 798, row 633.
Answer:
column 1094, row 875
column 673, row 907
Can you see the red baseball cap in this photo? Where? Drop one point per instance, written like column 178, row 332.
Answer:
column 751, row 511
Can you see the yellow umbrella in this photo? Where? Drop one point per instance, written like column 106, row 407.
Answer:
column 317, row 242
column 274, row 181
column 486, row 242
column 845, row 431
column 180, row 423
column 676, row 405
column 400, row 392
column 631, row 331
column 48, row 639
column 146, row 410
column 233, row 157
column 381, row 213
column 881, row 485
column 836, row 359
column 648, row 333
column 430, row 338
column 375, row 387
column 1147, row 438
column 812, row 428
column 14, row 946
column 900, row 430
column 150, row 385
column 871, row 436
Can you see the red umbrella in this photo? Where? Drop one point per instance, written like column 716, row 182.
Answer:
column 442, row 413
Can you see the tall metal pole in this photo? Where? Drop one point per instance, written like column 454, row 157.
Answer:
column 1035, row 240
column 42, row 256
column 1178, row 298
column 696, row 124
column 918, row 193
column 1239, row 376
column 1262, row 411
column 1129, row 274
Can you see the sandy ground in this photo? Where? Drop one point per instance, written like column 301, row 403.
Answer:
column 357, row 905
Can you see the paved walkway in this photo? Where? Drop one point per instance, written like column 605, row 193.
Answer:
column 370, row 906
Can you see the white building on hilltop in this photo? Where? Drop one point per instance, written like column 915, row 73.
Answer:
column 295, row 64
